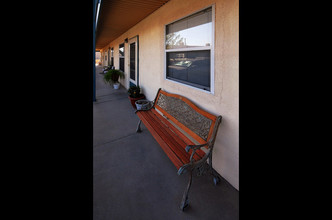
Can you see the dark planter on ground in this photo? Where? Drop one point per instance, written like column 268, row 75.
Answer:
column 135, row 94
column 115, row 78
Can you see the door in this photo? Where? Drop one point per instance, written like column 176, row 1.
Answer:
column 133, row 61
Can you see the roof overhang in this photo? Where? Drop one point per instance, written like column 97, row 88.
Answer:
column 117, row 16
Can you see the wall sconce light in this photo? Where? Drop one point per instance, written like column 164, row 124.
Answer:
column 126, row 40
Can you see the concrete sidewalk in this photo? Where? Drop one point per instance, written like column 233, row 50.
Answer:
column 113, row 115
column 132, row 176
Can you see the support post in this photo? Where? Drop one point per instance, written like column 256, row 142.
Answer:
column 95, row 2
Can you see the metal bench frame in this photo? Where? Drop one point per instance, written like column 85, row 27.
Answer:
column 201, row 166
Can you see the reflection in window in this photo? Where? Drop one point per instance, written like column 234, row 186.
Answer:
column 188, row 48
column 192, row 31
column 121, row 49
column 192, row 68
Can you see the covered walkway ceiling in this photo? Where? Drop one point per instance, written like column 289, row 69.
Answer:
column 117, row 16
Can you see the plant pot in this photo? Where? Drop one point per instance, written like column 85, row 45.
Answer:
column 133, row 100
column 116, row 85
column 142, row 104
column 115, row 78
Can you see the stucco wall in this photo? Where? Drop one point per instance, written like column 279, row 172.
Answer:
column 224, row 101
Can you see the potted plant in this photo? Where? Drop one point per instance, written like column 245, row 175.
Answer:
column 135, row 94
column 112, row 76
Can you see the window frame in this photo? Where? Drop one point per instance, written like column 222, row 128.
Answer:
column 211, row 48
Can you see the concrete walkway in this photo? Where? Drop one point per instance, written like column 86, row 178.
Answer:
column 134, row 179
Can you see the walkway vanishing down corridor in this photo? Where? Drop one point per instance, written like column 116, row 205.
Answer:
column 134, row 179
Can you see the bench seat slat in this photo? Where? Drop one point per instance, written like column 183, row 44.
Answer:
column 175, row 160
column 171, row 131
column 181, row 135
column 169, row 138
column 171, row 142
column 178, row 145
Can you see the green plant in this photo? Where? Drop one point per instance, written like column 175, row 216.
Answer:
column 134, row 91
column 113, row 75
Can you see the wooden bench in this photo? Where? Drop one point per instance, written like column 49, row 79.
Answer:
column 182, row 129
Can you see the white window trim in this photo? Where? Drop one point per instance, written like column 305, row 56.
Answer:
column 211, row 48
column 188, row 49
column 133, row 40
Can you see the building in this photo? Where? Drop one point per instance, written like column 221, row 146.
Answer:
column 98, row 57
column 187, row 47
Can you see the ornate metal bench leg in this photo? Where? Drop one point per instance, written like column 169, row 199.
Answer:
column 185, row 201
column 216, row 178
column 139, row 130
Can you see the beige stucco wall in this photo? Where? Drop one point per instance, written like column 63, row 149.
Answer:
column 224, row 101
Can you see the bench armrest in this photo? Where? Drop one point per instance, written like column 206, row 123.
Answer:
column 195, row 147
column 192, row 162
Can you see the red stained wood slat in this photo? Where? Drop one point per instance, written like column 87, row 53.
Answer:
column 173, row 135
column 180, row 134
column 169, row 137
column 175, row 160
column 177, row 139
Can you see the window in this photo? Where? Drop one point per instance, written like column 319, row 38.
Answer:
column 112, row 59
column 121, row 56
column 189, row 50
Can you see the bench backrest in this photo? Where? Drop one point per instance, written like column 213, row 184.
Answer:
column 196, row 122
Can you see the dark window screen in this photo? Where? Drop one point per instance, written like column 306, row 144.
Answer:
column 121, row 57
column 132, row 61
column 122, row 64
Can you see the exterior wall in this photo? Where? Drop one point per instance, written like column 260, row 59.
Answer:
column 224, row 101
column 102, row 58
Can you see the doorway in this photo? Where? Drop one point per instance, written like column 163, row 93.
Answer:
column 108, row 57
column 133, row 61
